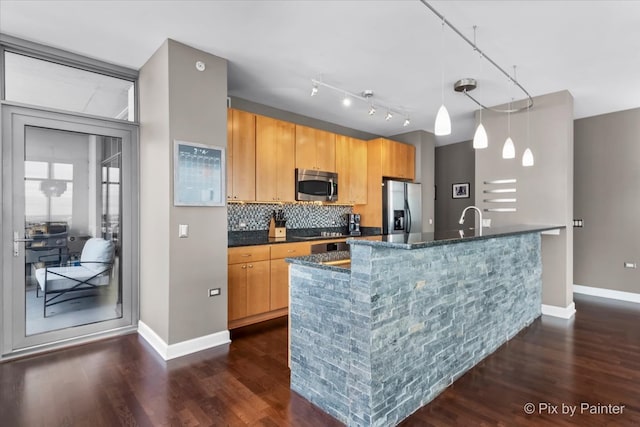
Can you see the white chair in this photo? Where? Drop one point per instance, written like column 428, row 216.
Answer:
column 96, row 262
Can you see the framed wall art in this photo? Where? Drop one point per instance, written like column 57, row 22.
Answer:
column 198, row 174
column 460, row 191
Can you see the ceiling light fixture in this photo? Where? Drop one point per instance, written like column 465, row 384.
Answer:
column 407, row 122
column 443, row 121
column 480, row 138
column 364, row 96
column 346, row 101
column 509, row 149
column 527, row 157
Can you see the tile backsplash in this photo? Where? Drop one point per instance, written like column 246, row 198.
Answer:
column 256, row 216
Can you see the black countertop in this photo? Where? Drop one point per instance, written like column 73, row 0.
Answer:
column 261, row 237
column 423, row 240
column 417, row 241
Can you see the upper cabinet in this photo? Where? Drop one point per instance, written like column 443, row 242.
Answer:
column 398, row 160
column 275, row 160
column 241, row 155
column 315, row 149
column 351, row 165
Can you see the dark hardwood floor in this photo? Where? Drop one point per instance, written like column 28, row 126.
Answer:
column 593, row 359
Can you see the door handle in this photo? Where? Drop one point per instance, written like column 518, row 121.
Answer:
column 16, row 242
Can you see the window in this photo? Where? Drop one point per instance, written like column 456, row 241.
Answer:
column 48, row 84
column 48, row 191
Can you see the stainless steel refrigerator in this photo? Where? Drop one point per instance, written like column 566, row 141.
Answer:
column 401, row 207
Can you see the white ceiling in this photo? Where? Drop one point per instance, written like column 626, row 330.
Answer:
column 275, row 48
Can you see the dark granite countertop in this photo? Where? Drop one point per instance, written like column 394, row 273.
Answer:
column 327, row 261
column 261, row 237
column 423, row 240
column 416, row 241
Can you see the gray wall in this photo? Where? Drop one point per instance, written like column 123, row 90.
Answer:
column 544, row 191
column 425, row 143
column 607, row 198
column 455, row 163
column 179, row 102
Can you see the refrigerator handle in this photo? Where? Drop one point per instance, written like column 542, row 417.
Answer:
column 408, row 226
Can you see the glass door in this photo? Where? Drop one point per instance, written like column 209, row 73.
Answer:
column 71, row 267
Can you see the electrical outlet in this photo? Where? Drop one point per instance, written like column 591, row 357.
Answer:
column 578, row 223
column 214, row 292
column 630, row 265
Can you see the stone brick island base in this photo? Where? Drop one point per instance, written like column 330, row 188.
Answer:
column 373, row 344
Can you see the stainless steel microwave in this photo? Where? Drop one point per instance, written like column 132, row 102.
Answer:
column 316, row 185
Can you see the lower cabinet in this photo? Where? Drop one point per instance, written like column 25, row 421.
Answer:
column 280, row 271
column 258, row 282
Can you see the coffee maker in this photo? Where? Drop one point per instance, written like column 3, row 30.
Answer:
column 354, row 225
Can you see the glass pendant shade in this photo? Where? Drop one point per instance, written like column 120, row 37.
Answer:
column 443, row 122
column 527, row 158
column 480, row 139
column 508, row 149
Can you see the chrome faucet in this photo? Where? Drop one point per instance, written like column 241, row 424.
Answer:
column 461, row 221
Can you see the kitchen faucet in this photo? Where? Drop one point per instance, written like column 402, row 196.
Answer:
column 461, row 221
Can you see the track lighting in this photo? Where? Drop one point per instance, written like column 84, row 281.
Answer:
column 347, row 99
column 443, row 121
column 407, row 122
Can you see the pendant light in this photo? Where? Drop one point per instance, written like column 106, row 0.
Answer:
column 527, row 157
column 509, row 149
column 443, row 121
column 480, row 139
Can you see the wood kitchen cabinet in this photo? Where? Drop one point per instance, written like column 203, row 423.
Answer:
column 398, row 160
column 280, row 271
column 315, row 149
column 275, row 160
column 351, row 165
column 248, row 282
column 241, row 155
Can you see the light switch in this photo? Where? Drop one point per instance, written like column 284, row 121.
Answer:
column 183, row 230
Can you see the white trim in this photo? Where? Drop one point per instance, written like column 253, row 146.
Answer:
column 607, row 293
column 562, row 312
column 183, row 348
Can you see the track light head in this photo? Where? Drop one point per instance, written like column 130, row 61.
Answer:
column 388, row 116
column 372, row 110
column 407, row 122
column 314, row 90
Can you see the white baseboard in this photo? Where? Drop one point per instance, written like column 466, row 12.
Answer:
column 607, row 293
column 183, row 348
column 562, row 312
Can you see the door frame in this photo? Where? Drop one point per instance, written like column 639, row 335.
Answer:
column 13, row 339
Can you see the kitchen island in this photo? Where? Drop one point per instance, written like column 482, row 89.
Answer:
column 372, row 343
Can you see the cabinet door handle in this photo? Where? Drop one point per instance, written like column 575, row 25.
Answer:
column 244, row 267
column 250, row 265
column 245, row 255
column 291, row 251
